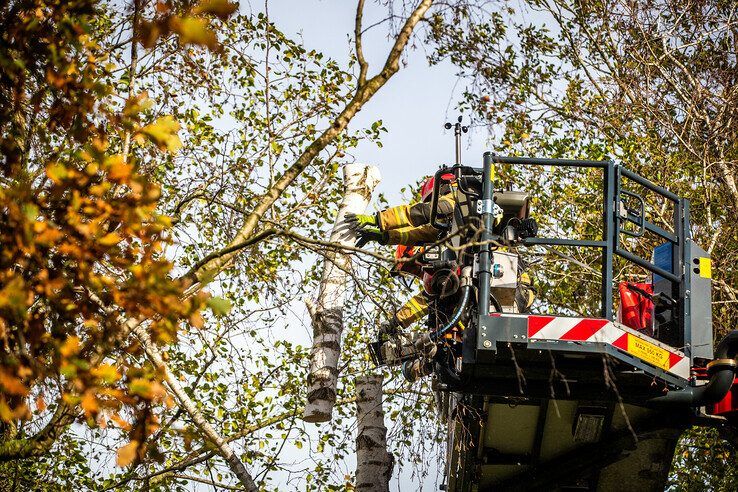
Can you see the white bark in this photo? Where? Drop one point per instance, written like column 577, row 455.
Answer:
column 189, row 406
column 373, row 463
column 327, row 314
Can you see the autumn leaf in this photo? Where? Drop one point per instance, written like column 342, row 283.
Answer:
column 197, row 320
column 11, row 384
column 89, row 403
column 149, row 390
column 137, row 104
column 110, row 239
column 56, row 172
column 120, row 422
column 163, row 133
column 47, row 234
column 118, row 169
column 70, row 347
column 15, row 296
column 40, row 403
column 219, row 8
column 105, row 372
column 6, row 414
column 193, row 30
column 127, row 453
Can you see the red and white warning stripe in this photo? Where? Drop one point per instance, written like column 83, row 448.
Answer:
column 598, row 330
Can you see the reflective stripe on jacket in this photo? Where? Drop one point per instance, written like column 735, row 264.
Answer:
column 415, row 215
column 412, row 311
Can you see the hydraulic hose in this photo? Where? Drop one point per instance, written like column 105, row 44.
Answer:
column 721, row 371
column 485, row 254
column 465, row 295
column 461, row 307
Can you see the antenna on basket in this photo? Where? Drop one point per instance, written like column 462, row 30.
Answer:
column 458, row 130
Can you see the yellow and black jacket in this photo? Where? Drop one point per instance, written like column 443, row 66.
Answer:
column 410, row 224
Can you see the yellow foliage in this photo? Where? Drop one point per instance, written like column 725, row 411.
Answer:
column 127, row 453
column 163, row 133
column 11, row 384
column 70, row 347
column 194, row 30
column 106, row 373
column 110, row 239
column 56, row 172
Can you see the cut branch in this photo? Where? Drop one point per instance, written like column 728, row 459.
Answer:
column 359, row 183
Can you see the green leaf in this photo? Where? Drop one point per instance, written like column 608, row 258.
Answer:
column 219, row 306
column 163, row 132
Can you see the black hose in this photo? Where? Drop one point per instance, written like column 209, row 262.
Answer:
column 465, row 295
column 721, row 371
column 495, row 303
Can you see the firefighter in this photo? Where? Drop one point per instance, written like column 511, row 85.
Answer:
column 407, row 226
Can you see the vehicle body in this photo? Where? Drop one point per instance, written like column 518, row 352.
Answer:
column 552, row 402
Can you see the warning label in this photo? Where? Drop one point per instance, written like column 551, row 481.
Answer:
column 648, row 352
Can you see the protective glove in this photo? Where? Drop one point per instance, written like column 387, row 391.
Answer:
column 370, row 234
column 360, row 221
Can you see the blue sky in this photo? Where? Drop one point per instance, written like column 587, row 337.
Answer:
column 413, row 105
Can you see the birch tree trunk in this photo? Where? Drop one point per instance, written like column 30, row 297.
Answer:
column 373, row 463
column 359, row 181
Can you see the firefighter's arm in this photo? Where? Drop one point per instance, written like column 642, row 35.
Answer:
column 413, row 310
column 414, row 215
column 412, row 236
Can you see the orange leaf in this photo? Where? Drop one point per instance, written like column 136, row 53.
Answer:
column 89, row 404
column 120, row 422
column 118, row 170
column 127, row 453
column 11, row 384
column 70, row 347
column 40, row 403
column 47, row 234
column 110, row 239
column 197, row 320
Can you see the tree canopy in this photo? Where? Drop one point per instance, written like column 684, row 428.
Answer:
column 171, row 169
